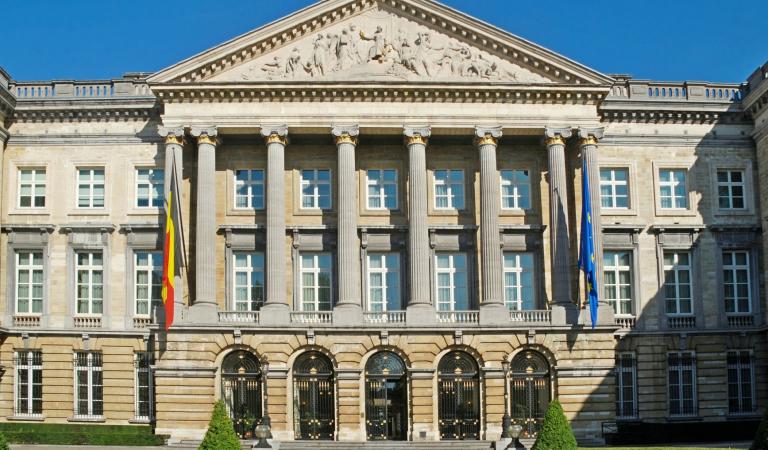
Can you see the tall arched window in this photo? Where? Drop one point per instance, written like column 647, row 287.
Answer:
column 531, row 391
column 241, row 390
column 386, row 397
column 313, row 397
column 458, row 385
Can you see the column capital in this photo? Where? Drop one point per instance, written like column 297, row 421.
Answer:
column 487, row 135
column 417, row 134
column 590, row 136
column 205, row 135
column 275, row 134
column 171, row 135
column 557, row 135
column 345, row 134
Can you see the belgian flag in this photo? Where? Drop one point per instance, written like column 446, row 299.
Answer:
column 173, row 253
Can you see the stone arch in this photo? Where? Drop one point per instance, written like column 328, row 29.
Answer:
column 462, row 348
column 219, row 359
column 384, row 348
column 310, row 348
column 363, row 387
column 471, row 420
column 541, row 349
column 291, row 379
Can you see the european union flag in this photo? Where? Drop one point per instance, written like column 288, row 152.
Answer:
column 587, row 246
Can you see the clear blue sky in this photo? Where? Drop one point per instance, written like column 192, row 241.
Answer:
column 714, row 40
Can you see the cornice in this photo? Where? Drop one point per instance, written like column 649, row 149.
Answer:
column 53, row 110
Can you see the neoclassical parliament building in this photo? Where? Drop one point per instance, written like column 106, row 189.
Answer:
column 381, row 204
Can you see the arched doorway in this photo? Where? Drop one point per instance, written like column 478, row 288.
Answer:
column 531, row 392
column 313, row 397
column 386, row 397
column 241, row 390
column 458, row 390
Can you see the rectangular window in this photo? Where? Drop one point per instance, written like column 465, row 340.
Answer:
column 384, row 282
column 730, row 189
column 681, row 379
column 31, row 188
column 519, row 293
column 316, row 276
column 90, row 282
column 148, row 268
column 614, row 188
column 617, row 279
column 673, row 192
column 626, row 386
column 452, row 291
column 677, row 283
column 28, row 390
column 89, row 385
column 248, row 280
column 29, row 282
column 249, row 189
column 515, row 189
column 741, row 382
column 449, row 189
column 316, row 189
column 90, row 188
column 737, row 282
column 149, row 188
column 145, row 395
column 382, row 188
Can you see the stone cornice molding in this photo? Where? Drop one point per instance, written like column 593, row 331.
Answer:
column 67, row 111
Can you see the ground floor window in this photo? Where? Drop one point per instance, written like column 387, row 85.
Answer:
column 28, row 391
column 681, row 372
column 145, row 395
column 314, row 397
column 89, row 385
column 741, row 382
column 626, row 386
column 458, row 384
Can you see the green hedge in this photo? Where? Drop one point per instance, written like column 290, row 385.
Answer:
column 79, row 434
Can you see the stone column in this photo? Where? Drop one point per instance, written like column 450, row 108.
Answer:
column 349, row 308
column 492, row 309
column 174, row 157
column 204, row 307
column 564, row 311
column 275, row 311
column 420, row 309
column 588, row 138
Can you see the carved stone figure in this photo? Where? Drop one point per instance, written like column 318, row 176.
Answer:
column 423, row 64
column 354, row 43
column 294, row 67
column 378, row 50
column 272, row 69
column 344, row 56
column 319, row 56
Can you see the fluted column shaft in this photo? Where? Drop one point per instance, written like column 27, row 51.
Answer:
column 348, row 247
column 418, row 232
column 276, row 141
column 174, row 157
column 205, row 219
column 490, row 240
column 558, row 216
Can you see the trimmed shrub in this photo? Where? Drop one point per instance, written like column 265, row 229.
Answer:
column 555, row 432
column 221, row 433
column 3, row 442
column 80, row 434
column 761, row 437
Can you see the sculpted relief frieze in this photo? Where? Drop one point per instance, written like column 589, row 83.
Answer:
column 379, row 46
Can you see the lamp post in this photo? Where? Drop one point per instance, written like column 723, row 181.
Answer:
column 506, row 420
column 514, row 432
column 265, row 420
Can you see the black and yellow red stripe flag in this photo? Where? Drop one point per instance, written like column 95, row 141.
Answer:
column 172, row 248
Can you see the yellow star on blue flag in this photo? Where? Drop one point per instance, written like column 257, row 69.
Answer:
column 587, row 246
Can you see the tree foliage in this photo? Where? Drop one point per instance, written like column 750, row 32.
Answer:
column 221, row 433
column 3, row 442
column 555, row 432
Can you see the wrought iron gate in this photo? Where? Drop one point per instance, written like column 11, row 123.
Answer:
column 314, row 400
column 458, row 397
column 386, row 398
column 530, row 388
column 241, row 390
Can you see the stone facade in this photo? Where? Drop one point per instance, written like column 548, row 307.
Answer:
column 349, row 87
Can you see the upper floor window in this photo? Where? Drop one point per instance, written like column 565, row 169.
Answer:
column 737, row 282
column 90, row 282
column 148, row 268
column 614, row 188
column 29, row 282
column 451, row 274
column 626, row 386
column 384, row 282
column 518, row 281
column 681, row 384
column 316, row 278
column 382, row 188
column 89, row 385
column 677, row 283
column 316, row 189
column 31, row 188
column 248, row 280
column 730, row 189
column 673, row 191
column 144, row 391
column 28, row 389
column 249, row 189
column 149, row 188
column 449, row 189
column 741, row 382
column 90, row 188
column 515, row 189
column 617, row 278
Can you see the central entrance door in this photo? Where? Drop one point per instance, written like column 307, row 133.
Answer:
column 313, row 394
column 530, row 391
column 458, row 385
column 386, row 398
column 241, row 391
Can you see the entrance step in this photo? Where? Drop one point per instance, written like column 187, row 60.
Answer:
column 388, row 445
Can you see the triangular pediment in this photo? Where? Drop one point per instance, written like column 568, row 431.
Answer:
column 379, row 41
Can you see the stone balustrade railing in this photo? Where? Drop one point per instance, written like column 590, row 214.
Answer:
column 239, row 316
column 87, row 321
column 142, row 322
column 531, row 316
column 741, row 320
column 384, row 317
column 687, row 91
column 681, row 322
column 625, row 322
column 312, row 317
column 47, row 90
column 458, row 316
column 26, row 321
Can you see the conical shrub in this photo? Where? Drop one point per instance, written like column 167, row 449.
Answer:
column 761, row 437
column 555, row 432
column 221, row 434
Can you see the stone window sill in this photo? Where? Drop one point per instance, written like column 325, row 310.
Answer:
column 97, row 212
column 29, row 212
column 140, row 421
column 695, row 418
column 27, row 418
column 99, row 419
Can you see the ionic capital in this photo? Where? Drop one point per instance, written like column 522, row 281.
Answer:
column 556, row 135
column 590, row 136
column 171, row 135
column 345, row 134
column 417, row 134
column 205, row 135
column 487, row 136
column 275, row 134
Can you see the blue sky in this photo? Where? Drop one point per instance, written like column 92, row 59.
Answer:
column 712, row 40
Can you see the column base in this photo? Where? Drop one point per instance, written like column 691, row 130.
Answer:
column 275, row 314
column 565, row 313
column 420, row 314
column 348, row 314
column 203, row 313
column 494, row 314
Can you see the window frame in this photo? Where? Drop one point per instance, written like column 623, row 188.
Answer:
column 449, row 190
column 613, row 183
column 730, row 184
column 91, row 183
column 518, row 270
column 30, row 369
column 752, row 383
column 384, row 270
column 617, row 270
column 733, row 268
column 89, row 369
column 249, row 270
column 515, row 186
column 620, row 400
column 151, row 302
column 694, row 383
column 452, row 271
column 249, row 183
column 382, row 188
column 151, row 185
column 150, row 388
column 30, row 269
column 673, row 184
column 316, row 270
column 33, row 185
column 685, row 164
column 315, row 194
column 733, row 164
column 91, row 269
column 691, row 283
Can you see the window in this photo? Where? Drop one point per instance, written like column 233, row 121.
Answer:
column 673, row 192
column 626, row 386
column 31, row 188
column 28, row 391
column 741, row 382
column 449, row 189
column 382, row 188
column 681, row 378
column 89, row 385
column 316, row 282
column 737, row 282
column 144, row 385
column 518, row 281
column 677, row 283
column 29, row 282
column 316, row 189
column 90, row 188
column 149, row 188
column 384, row 282
column 249, row 189
column 148, row 268
column 730, row 189
column 515, row 189
column 90, row 282
column 248, row 280
column 617, row 279
column 452, row 292
column 614, row 188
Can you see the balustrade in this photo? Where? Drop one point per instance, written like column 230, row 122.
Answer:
column 239, row 316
